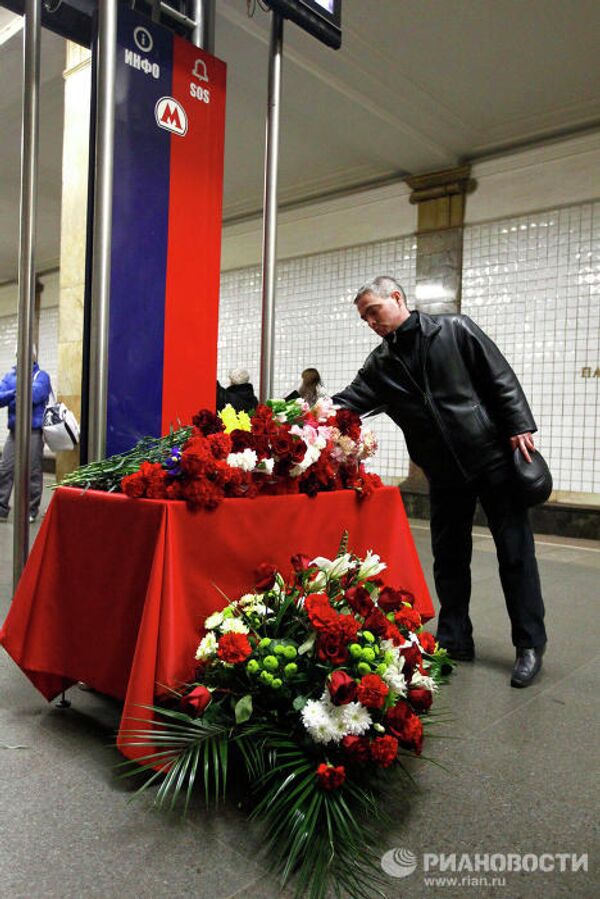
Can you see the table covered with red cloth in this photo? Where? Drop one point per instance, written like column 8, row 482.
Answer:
column 115, row 590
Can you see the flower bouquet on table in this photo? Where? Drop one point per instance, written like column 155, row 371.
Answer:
column 320, row 685
column 281, row 448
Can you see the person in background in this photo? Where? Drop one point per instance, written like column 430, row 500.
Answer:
column 40, row 392
column 311, row 387
column 240, row 393
column 463, row 413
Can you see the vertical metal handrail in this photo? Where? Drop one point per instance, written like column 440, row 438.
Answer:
column 27, row 237
column 203, row 34
column 101, row 240
column 269, row 248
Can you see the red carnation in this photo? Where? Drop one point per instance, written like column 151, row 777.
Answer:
column 234, row 648
column 134, row 485
column 195, row 702
column 220, row 445
column 405, row 726
column 372, row 691
column 331, row 778
column 342, row 688
column 427, row 641
column 265, row 576
column 207, row 422
column 420, row 699
column 389, row 599
column 359, row 601
column 357, row 748
column 319, row 611
column 408, row 618
column 349, row 423
column 368, row 483
column 384, row 751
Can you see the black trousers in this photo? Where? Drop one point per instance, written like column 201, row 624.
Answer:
column 452, row 511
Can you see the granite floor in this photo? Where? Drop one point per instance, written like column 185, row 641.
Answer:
column 513, row 773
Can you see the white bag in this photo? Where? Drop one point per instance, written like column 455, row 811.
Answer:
column 60, row 427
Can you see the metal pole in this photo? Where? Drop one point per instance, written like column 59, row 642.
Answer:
column 269, row 254
column 27, row 234
column 203, row 34
column 101, row 240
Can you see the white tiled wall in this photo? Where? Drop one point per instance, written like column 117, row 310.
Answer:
column 533, row 284
column 316, row 324
column 47, row 355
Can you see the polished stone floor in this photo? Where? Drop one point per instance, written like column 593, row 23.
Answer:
column 513, row 775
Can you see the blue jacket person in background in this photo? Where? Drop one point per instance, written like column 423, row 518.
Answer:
column 40, row 391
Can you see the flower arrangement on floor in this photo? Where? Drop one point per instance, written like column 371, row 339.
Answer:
column 320, row 684
column 281, row 448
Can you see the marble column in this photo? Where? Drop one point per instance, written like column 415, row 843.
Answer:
column 440, row 197
column 77, row 77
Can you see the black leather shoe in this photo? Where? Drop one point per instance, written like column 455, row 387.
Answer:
column 527, row 666
column 461, row 653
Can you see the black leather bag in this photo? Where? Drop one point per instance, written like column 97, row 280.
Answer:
column 534, row 481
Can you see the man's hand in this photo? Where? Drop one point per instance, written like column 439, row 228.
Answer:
column 524, row 442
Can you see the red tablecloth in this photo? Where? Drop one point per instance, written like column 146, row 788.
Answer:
column 115, row 590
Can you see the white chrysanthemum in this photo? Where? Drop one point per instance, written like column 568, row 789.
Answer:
column 423, row 681
column 265, row 466
column 371, row 565
column 234, row 626
column 249, row 599
column 213, row 621
column 246, row 460
column 395, row 680
column 356, row 718
column 207, row 647
column 318, row 722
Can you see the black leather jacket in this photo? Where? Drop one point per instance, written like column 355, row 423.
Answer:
column 459, row 422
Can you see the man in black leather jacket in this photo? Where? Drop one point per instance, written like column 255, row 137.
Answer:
column 463, row 412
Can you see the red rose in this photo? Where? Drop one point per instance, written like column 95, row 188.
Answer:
column 342, row 688
column 372, row 691
column 241, row 440
column 234, row 648
column 397, row 715
column 411, row 656
column 384, row 751
column 359, row 601
column 389, row 599
column 298, row 451
column 300, row 562
column 265, row 576
column 195, row 702
column 319, row 611
column 331, row 647
column 357, row 748
column 420, row 699
column 377, row 623
column 408, row 618
column 427, row 641
column 281, row 443
column 331, row 778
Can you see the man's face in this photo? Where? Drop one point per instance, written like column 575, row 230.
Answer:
column 383, row 315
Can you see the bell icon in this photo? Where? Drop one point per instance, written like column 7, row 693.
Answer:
column 199, row 71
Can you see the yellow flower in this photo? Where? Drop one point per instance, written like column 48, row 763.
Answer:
column 234, row 421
